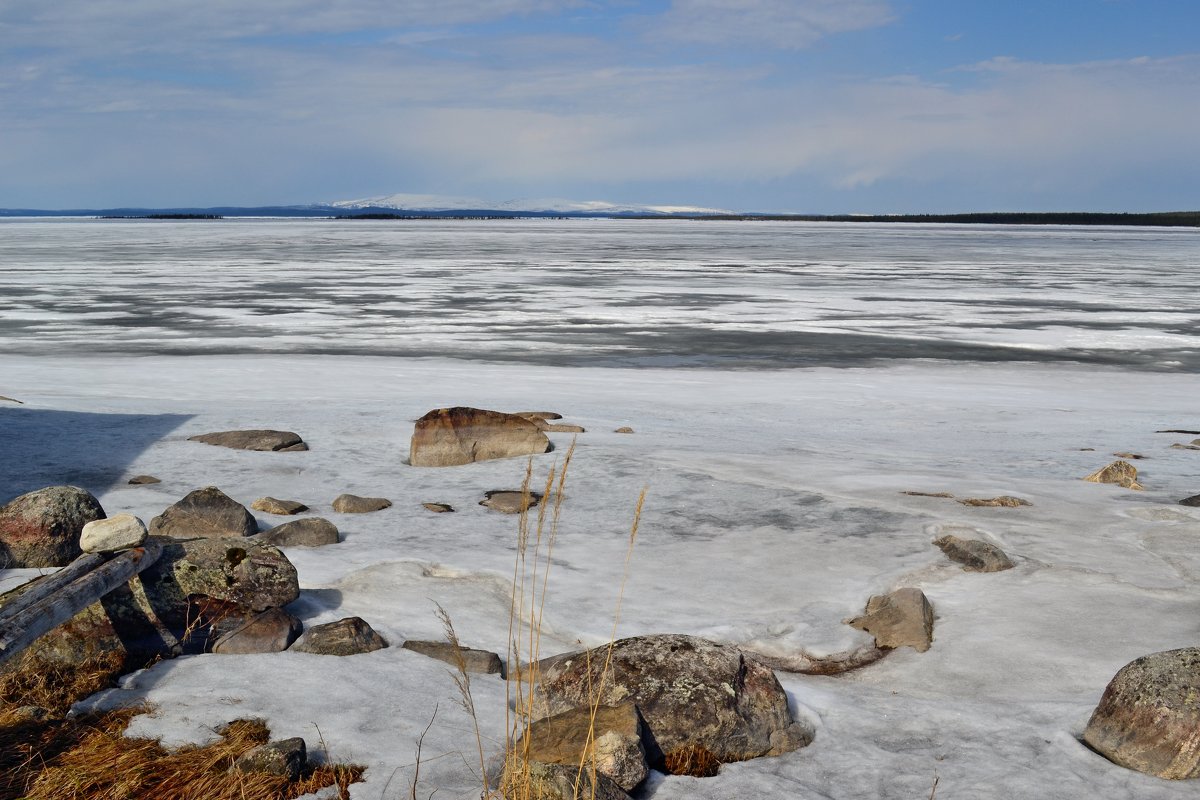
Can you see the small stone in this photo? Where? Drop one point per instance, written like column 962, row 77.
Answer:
column 902, row 618
column 265, row 440
column 272, row 631
column 481, row 661
column 118, row 532
column 438, row 508
column 1122, row 473
column 624, row 429
column 346, row 637
column 287, row 758
column 28, row 715
column 353, row 504
column 509, row 502
column 975, row 555
column 1003, row 501
column 306, row 532
column 271, row 505
column 1193, row 501
column 141, row 480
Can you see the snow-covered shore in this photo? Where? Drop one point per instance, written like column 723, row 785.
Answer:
column 774, row 510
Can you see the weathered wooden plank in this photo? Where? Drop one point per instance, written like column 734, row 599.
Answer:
column 25, row 627
column 49, row 584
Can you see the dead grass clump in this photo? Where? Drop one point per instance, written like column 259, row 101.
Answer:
column 56, row 687
column 89, row 757
column 692, row 760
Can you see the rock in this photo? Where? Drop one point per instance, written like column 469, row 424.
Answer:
column 1121, row 473
column 206, row 512
column 1130, row 456
column 509, row 502
column 140, row 480
column 270, row 505
column 246, row 573
column 42, row 528
column 691, row 693
column 27, row 715
column 1149, row 716
column 118, row 532
column 927, row 494
column 1192, row 446
column 482, row 661
column 346, row 637
column 438, row 508
column 1193, row 501
column 253, row 440
column 556, row 428
column 1179, row 430
column 306, row 532
column 613, row 740
column 974, row 555
column 1003, row 501
column 624, row 429
column 271, row 631
column 543, row 415
column 353, row 504
column 899, row 619
column 447, row 437
column 535, row 781
column 287, row 757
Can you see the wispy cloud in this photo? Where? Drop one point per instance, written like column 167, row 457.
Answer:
column 775, row 23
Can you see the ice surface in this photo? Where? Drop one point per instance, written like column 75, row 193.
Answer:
column 774, row 511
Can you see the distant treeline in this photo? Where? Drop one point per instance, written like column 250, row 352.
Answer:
column 163, row 216
column 1166, row 218
column 380, row 215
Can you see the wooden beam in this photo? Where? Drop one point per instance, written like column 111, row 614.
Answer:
column 26, row 626
column 49, row 584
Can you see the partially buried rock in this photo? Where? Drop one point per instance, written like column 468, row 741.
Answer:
column 286, row 758
column 118, row 532
column 510, row 502
column 538, row 781
column 346, row 637
column 1149, row 716
column 438, row 508
column 42, row 528
column 481, row 661
column 624, row 429
column 1195, row 445
column 207, row 513
column 353, row 504
column 562, row 428
column 531, row 415
column 1193, row 501
column 1122, row 473
column 903, row 618
column 692, row 694
column 1003, row 501
column 271, row 631
column 447, row 437
column 271, row 505
column 975, row 555
column 1130, row 456
column 611, row 739
column 142, row 480
column 306, row 532
column 266, row 440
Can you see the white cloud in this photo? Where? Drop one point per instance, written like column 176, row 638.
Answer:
column 776, row 23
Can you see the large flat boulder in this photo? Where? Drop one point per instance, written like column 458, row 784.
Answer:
column 266, row 440
column 447, row 437
column 206, row 512
column 42, row 528
column 693, row 695
column 1149, row 716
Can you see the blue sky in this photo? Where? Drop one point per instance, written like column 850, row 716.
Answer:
column 763, row 105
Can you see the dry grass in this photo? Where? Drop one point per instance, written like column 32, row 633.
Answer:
column 56, row 687
column 692, row 760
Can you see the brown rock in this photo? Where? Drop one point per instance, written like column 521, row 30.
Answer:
column 438, row 508
column 448, row 437
column 1003, row 501
column 206, row 512
column 624, row 429
column 1122, row 473
column 286, row 758
column 537, row 781
column 306, row 532
column 562, row 428
column 270, row 505
column 353, row 504
column 481, row 661
column 346, row 637
column 266, row 440
column 271, row 631
column 613, row 740
column 510, row 502
column 691, row 693
column 1149, row 717
column 42, row 528
column 532, row 415
column 141, row 480
column 974, row 555
column 902, row 618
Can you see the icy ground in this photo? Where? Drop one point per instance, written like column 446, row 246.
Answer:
column 774, row 511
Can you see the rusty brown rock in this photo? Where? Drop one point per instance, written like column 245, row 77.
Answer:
column 448, row 437
column 42, row 528
column 903, row 618
column 1122, row 473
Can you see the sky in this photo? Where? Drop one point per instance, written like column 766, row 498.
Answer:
column 809, row 106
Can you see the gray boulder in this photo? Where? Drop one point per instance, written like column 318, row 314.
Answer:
column 975, row 555
column 509, row 502
column 42, row 528
column 903, row 618
column 271, row 631
column 1149, row 716
column 206, row 512
column 481, row 661
column 447, row 437
column 346, row 637
column 286, row 758
column 266, row 440
column 305, row 532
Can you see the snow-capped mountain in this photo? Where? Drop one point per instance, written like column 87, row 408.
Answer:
column 552, row 205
